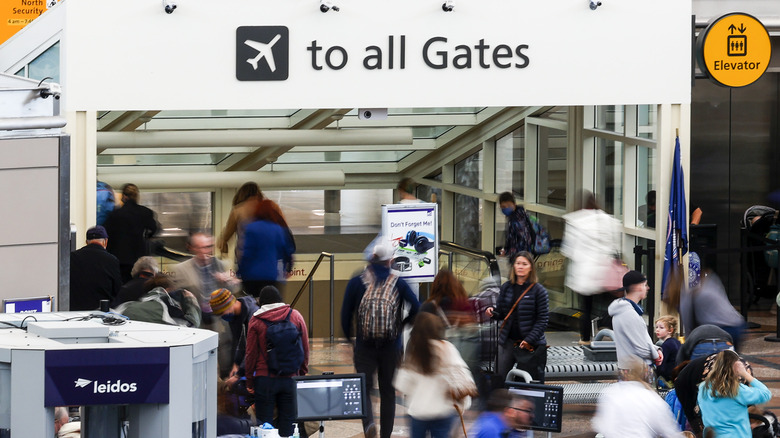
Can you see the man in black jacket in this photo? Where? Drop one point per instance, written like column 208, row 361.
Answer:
column 94, row 273
column 129, row 227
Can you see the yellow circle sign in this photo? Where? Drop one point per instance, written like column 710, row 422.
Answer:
column 734, row 50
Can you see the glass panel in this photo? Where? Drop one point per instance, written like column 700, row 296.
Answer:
column 510, row 163
column 22, row 72
column 360, row 211
column 160, row 160
column 46, row 65
column 468, row 221
column 179, row 215
column 431, row 194
column 186, row 114
column 469, row 271
column 468, row 173
column 550, row 267
column 346, row 157
column 646, row 121
column 645, row 189
column 609, row 176
column 558, row 113
column 552, row 166
column 429, row 131
column 610, row 118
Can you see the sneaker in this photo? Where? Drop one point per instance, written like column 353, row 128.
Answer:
column 584, row 342
column 370, row 431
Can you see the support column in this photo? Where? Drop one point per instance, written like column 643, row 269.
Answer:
column 447, row 203
column 332, row 210
column 488, row 187
column 82, row 127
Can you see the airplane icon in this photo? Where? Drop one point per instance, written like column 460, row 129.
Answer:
column 263, row 51
column 81, row 383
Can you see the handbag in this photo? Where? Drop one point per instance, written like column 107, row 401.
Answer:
column 460, row 382
column 532, row 361
column 613, row 277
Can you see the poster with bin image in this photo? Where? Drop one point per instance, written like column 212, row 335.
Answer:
column 413, row 231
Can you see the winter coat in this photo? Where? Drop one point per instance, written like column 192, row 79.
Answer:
column 591, row 240
column 256, row 345
column 530, row 317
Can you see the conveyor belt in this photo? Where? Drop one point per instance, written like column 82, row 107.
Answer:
column 569, row 363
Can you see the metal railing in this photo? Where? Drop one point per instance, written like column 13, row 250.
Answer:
column 450, row 248
column 308, row 281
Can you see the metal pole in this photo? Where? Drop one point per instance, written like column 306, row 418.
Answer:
column 332, row 294
column 311, row 310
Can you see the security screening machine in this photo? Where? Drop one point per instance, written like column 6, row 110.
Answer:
column 156, row 380
column 331, row 397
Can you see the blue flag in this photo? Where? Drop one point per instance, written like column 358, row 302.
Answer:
column 677, row 223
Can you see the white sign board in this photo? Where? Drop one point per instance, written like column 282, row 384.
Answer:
column 234, row 54
column 412, row 230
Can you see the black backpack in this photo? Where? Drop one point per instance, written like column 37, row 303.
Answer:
column 284, row 348
column 768, row 427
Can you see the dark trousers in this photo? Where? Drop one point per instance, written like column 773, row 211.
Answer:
column 276, row 392
column 586, row 307
column 253, row 287
column 439, row 428
column 383, row 362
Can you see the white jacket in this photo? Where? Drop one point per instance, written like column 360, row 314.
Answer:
column 591, row 240
column 427, row 397
column 630, row 409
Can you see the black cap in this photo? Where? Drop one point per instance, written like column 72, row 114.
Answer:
column 631, row 278
column 97, row 232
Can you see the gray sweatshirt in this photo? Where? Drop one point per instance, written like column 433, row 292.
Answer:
column 631, row 337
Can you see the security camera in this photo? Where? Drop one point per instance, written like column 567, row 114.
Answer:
column 169, row 6
column 448, row 6
column 51, row 89
column 594, row 4
column 372, row 113
column 325, row 6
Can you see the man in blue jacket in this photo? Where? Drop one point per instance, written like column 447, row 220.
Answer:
column 375, row 353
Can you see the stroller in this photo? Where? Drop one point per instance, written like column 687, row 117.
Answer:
column 760, row 227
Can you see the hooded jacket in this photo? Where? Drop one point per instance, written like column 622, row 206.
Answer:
column 256, row 364
column 631, row 337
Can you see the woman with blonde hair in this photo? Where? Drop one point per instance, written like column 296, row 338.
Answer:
column 726, row 393
column 423, row 378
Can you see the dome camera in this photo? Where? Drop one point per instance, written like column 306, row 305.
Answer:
column 169, row 6
column 325, row 6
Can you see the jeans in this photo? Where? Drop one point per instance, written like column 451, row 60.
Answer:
column 276, row 392
column 383, row 362
column 439, row 428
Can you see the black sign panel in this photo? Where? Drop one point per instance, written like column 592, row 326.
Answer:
column 262, row 53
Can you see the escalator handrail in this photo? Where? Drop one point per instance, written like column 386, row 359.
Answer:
column 488, row 256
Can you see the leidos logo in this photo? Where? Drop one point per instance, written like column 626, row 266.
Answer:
column 262, row 53
column 108, row 387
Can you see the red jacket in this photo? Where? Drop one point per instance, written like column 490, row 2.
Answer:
column 256, row 340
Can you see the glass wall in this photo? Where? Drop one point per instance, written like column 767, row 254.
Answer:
column 180, row 214
column 609, row 176
column 468, row 211
column 553, row 151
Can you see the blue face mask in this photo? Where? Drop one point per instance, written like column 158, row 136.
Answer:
column 507, row 211
column 227, row 317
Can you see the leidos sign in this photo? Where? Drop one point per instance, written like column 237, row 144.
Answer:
column 734, row 50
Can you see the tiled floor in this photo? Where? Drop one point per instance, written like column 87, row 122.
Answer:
column 763, row 355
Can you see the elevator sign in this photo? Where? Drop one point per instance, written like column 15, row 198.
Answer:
column 734, row 50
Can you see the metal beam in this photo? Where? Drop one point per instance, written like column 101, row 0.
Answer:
column 215, row 180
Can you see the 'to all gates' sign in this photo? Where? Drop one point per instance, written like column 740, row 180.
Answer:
column 734, row 50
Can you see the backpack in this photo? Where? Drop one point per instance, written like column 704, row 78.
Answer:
column 379, row 310
column 768, row 428
column 676, row 407
column 541, row 237
column 283, row 346
column 105, row 202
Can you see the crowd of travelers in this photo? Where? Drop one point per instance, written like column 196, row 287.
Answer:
column 438, row 365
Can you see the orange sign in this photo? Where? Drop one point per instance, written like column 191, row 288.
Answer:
column 734, row 50
column 15, row 14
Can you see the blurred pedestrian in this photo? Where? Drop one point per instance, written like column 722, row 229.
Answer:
column 268, row 248
column 406, row 192
column 143, row 269
column 631, row 408
column 243, row 212
column 725, row 395
column 591, row 242
column 507, row 416
column 422, row 378
column 709, row 304
column 524, row 310
column 129, row 227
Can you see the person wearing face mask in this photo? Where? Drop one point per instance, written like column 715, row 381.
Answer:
column 519, row 234
column 236, row 312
